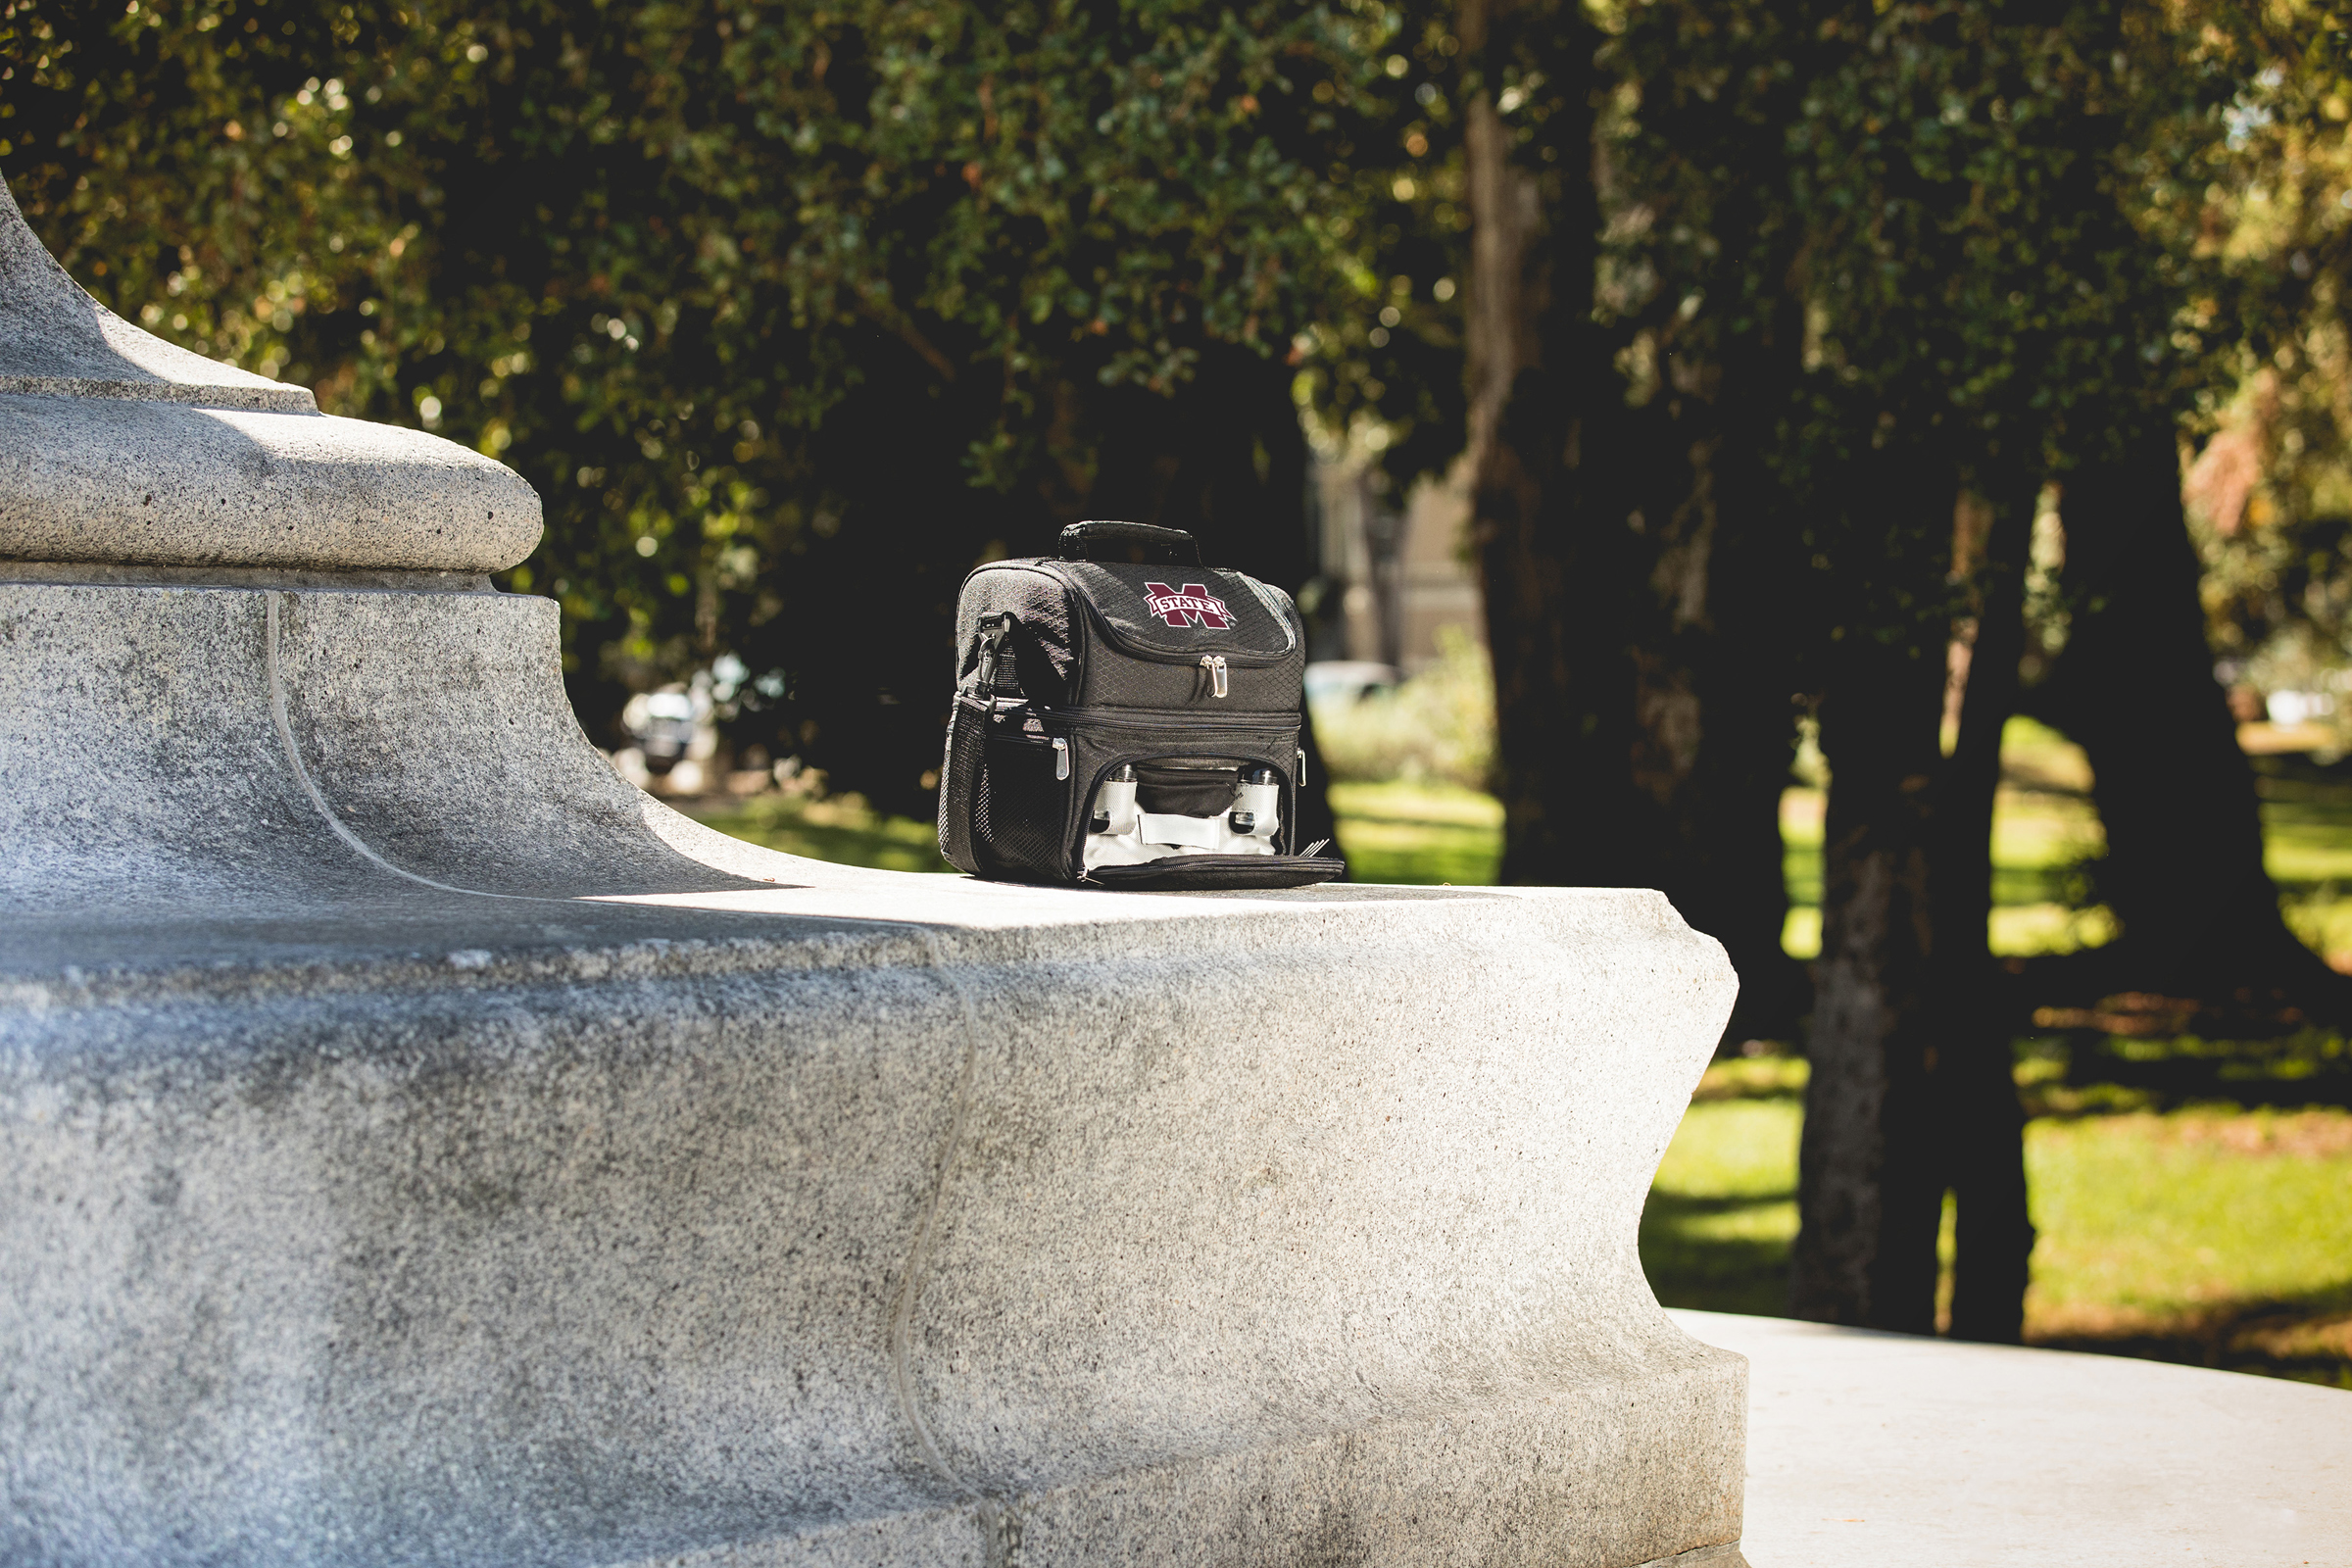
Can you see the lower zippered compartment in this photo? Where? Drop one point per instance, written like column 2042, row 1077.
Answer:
column 1024, row 781
column 1183, row 795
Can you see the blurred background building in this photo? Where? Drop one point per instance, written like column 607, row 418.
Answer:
column 1394, row 579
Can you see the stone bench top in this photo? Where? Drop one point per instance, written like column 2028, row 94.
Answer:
column 383, row 927
column 1867, row 1450
column 211, row 781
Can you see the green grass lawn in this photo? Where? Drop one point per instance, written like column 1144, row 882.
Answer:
column 1418, row 833
column 2205, row 1235
column 2200, row 1235
column 2174, row 1222
column 1722, row 1213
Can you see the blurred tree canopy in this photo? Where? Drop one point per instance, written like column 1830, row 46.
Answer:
column 791, row 312
column 775, row 301
column 2270, row 492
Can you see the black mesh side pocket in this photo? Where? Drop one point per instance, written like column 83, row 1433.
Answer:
column 960, row 785
column 1020, row 809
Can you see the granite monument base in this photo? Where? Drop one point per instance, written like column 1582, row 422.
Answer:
column 416, row 1146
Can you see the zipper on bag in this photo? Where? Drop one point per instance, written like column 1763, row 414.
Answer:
column 1155, row 720
column 993, row 629
column 1160, row 720
column 1212, row 673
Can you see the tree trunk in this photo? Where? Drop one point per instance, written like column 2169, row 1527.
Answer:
column 2134, row 687
column 1870, row 1188
column 1911, row 1093
column 1561, row 690
column 1982, row 1120
column 1714, row 719
column 1866, row 1191
column 1643, row 726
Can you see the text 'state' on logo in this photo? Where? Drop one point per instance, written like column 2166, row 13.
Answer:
column 1192, row 605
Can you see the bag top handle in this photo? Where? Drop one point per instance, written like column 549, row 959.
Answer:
column 1135, row 542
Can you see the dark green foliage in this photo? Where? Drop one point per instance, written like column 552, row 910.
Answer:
column 791, row 314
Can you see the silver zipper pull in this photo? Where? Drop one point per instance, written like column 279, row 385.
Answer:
column 1061, row 758
column 1214, row 665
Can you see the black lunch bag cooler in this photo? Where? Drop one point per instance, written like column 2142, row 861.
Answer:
column 1126, row 718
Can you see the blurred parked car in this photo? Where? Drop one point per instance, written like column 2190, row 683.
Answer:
column 1348, row 678
column 662, row 724
column 2299, row 707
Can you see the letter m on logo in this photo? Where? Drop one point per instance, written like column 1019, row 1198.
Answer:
column 1192, row 605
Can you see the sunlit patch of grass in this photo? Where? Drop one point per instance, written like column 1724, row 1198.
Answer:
column 2050, row 928
column 1800, row 932
column 2036, row 757
column 1801, row 810
column 2322, row 924
column 1441, row 805
column 2044, row 833
column 2207, row 1234
column 2153, row 1213
column 1424, row 833
column 1722, row 1213
column 2202, row 1236
column 2038, row 840
column 1753, row 1078
column 2306, row 841
column 2307, row 848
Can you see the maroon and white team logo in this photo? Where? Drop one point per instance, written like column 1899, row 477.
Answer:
column 1192, row 605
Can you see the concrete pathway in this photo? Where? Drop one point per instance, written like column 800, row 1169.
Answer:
column 1879, row 1450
